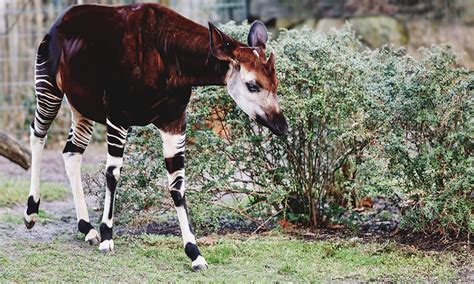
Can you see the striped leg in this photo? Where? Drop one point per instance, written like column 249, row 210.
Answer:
column 173, row 149
column 116, row 137
column 48, row 102
column 79, row 137
column 30, row 215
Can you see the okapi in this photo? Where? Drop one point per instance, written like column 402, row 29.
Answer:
column 136, row 65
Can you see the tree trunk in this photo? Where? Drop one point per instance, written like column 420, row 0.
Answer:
column 14, row 151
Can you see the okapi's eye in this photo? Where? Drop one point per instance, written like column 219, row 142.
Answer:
column 252, row 87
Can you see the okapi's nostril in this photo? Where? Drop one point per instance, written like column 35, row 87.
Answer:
column 277, row 125
column 283, row 128
column 281, row 124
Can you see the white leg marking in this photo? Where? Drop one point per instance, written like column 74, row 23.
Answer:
column 172, row 143
column 188, row 236
column 37, row 146
column 80, row 135
column 116, row 162
column 122, row 131
column 72, row 163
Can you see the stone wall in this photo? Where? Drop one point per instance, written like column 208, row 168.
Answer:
column 410, row 23
column 376, row 31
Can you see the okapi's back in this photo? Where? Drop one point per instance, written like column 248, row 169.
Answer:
column 126, row 59
column 91, row 24
column 97, row 22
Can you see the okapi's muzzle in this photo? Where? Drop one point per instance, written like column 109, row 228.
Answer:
column 276, row 123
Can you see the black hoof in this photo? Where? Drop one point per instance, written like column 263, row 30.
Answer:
column 91, row 235
column 31, row 212
column 29, row 225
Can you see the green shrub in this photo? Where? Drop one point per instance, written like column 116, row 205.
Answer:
column 361, row 122
column 322, row 94
column 427, row 142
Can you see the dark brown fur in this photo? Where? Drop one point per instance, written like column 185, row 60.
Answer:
column 134, row 63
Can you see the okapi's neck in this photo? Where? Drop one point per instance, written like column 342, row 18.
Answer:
column 189, row 60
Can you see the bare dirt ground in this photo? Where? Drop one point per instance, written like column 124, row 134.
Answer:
column 52, row 165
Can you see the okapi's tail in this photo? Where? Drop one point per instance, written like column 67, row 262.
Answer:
column 48, row 94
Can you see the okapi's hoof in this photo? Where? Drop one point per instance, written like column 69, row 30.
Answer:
column 30, row 220
column 107, row 246
column 29, row 225
column 30, row 215
column 199, row 264
column 93, row 237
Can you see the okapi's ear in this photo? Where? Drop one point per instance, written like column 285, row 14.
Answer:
column 222, row 45
column 258, row 35
column 271, row 62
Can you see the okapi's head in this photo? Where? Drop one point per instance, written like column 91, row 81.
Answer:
column 251, row 79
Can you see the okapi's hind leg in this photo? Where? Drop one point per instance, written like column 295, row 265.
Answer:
column 173, row 150
column 48, row 102
column 79, row 137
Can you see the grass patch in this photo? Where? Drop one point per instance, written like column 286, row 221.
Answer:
column 13, row 192
column 158, row 258
column 11, row 218
column 15, row 218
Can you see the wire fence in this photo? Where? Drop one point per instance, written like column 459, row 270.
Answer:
column 23, row 24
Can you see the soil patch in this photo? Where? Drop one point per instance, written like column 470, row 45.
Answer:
column 52, row 164
column 57, row 218
column 170, row 227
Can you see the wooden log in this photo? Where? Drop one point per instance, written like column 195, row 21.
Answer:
column 14, row 151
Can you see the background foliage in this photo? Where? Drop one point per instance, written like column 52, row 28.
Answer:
column 362, row 122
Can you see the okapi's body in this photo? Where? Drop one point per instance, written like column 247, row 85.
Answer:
column 136, row 65
column 134, row 62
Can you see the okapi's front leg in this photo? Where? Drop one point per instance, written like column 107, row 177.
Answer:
column 116, row 137
column 173, row 150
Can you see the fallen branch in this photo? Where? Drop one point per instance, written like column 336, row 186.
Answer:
column 14, row 151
